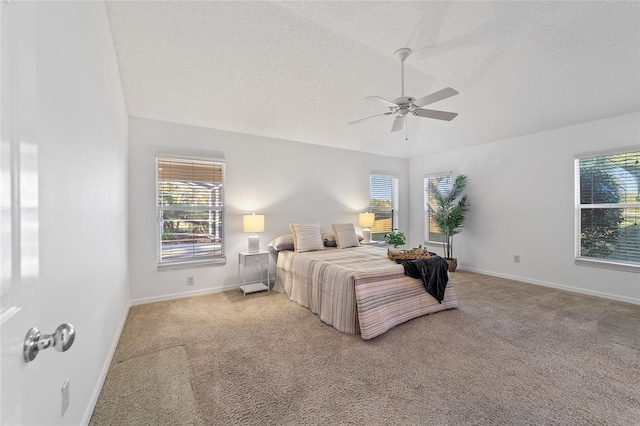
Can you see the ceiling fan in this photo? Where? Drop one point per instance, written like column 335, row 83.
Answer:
column 405, row 105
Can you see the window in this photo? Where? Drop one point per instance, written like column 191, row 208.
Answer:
column 608, row 210
column 190, row 197
column 384, row 203
column 442, row 181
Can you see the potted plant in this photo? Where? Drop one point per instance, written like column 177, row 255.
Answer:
column 395, row 238
column 449, row 215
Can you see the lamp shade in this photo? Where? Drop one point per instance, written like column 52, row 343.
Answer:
column 253, row 223
column 367, row 220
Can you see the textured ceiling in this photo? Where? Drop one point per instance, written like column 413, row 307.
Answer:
column 301, row 70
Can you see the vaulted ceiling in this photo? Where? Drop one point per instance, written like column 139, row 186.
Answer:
column 301, row 70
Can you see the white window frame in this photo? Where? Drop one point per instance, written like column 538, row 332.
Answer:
column 580, row 259
column 218, row 206
column 427, row 195
column 395, row 203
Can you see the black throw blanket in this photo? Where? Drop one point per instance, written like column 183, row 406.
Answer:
column 433, row 272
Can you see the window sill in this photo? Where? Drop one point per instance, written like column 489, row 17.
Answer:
column 626, row 267
column 192, row 264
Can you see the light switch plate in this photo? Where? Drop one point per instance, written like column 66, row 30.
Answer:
column 65, row 397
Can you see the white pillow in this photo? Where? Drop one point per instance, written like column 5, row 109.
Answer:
column 345, row 235
column 306, row 237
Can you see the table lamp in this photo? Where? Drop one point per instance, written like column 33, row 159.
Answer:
column 366, row 221
column 253, row 223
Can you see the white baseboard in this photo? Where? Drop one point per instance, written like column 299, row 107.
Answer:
column 145, row 300
column 105, row 369
column 553, row 285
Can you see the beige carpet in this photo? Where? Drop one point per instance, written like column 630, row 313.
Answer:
column 512, row 354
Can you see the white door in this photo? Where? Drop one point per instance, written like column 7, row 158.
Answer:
column 19, row 292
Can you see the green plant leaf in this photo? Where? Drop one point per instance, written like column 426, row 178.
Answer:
column 450, row 211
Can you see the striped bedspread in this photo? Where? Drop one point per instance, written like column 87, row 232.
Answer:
column 356, row 290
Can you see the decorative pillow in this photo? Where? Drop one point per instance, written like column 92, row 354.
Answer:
column 345, row 235
column 329, row 239
column 283, row 242
column 306, row 237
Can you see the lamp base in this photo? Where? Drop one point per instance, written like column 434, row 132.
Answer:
column 254, row 243
column 366, row 235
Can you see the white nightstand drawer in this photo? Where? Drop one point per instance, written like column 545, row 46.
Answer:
column 254, row 259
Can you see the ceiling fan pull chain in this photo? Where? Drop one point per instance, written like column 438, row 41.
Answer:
column 406, row 130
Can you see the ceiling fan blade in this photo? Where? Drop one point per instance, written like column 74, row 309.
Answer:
column 398, row 123
column 366, row 118
column 439, row 115
column 445, row 93
column 382, row 101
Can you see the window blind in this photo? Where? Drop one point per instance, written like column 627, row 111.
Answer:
column 384, row 192
column 608, row 208
column 441, row 181
column 190, row 201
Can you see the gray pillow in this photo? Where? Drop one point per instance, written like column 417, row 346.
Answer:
column 283, row 242
column 329, row 239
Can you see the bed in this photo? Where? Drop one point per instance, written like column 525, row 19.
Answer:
column 356, row 290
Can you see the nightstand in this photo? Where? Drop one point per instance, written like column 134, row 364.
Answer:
column 254, row 260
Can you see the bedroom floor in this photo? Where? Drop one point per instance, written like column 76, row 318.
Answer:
column 512, row 353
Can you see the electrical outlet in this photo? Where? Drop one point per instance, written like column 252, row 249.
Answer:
column 190, row 280
column 516, row 258
column 65, row 397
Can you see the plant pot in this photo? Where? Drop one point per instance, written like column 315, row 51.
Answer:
column 453, row 264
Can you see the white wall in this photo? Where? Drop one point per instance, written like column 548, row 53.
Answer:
column 81, row 151
column 521, row 192
column 286, row 181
